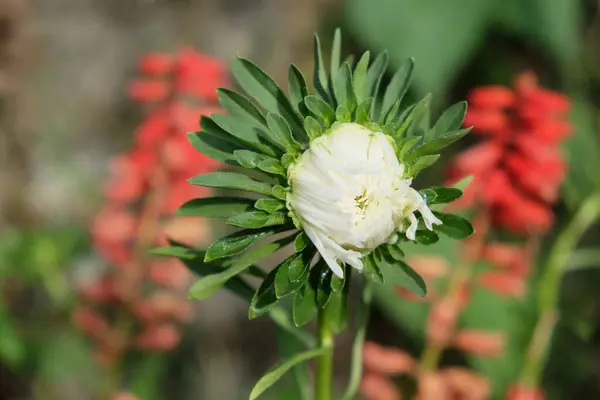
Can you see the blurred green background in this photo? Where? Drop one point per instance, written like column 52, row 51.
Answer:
column 64, row 111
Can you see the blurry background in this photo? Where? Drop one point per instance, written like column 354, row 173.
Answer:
column 65, row 67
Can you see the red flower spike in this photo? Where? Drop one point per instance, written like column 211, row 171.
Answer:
column 489, row 344
column 147, row 184
column 387, row 361
column 377, row 387
column 519, row 163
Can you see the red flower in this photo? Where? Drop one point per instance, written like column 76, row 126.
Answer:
column 518, row 168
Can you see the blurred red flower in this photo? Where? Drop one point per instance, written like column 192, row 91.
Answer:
column 518, row 168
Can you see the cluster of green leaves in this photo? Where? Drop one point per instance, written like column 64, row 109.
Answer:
column 267, row 132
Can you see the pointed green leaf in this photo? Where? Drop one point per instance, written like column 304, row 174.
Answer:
column 426, row 237
column 336, row 311
column 284, row 285
column 269, row 205
column 372, row 270
column 464, row 183
column 398, row 85
column 406, row 145
column 279, row 192
column 271, row 377
column 320, row 74
column 301, row 242
column 336, row 54
column 299, row 267
column 257, row 219
column 239, row 105
column 421, row 116
column 400, row 273
column 423, row 162
column 363, row 111
column 389, row 118
column 281, row 133
column 260, row 86
column 434, row 145
column 272, row 166
column 231, row 180
column 395, row 252
column 250, row 134
column 305, row 305
column 264, row 299
column 312, row 127
column 374, row 75
column 451, row 120
column 324, row 284
column 337, row 283
column 453, row 225
column 248, row 159
column 217, row 147
column 360, row 78
column 442, row 195
column 344, row 89
column 342, row 114
column 214, row 207
column 320, row 109
column 297, row 89
column 207, row 285
column 181, row 252
column 238, row 242
column 287, row 160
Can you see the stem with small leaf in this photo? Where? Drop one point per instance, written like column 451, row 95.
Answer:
column 549, row 288
column 324, row 364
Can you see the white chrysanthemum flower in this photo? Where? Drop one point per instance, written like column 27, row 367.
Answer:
column 349, row 193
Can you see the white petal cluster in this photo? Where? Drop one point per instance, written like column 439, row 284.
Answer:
column 349, row 194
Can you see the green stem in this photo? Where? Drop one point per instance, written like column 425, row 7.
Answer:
column 324, row 369
column 549, row 288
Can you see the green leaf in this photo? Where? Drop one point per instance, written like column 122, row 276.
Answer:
column 272, row 166
column 389, row 118
column 398, row 85
column 248, row 159
column 322, row 276
column 374, row 75
column 305, row 305
column 426, row 237
column 453, row 225
column 238, row 242
column 257, row 219
column 422, row 162
column 269, row 205
column 413, row 119
column 248, row 133
column 320, row 74
column 363, row 111
column 181, row 252
column 239, row 105
column 301, row 242
column 217, row 147
column 337, row 283
column 360, row 78
column 264, row 299
column 442, row 195
column 297, row 89
column 395, row 252
column 214, row 207
column 406, row 145
column 208, row 285
column 312, row 127
column 299, row 267
column 463, row 183
column 344, row 89
column 437, row 144
column 281, row 133
column 336, row 54
column 320, row 109
column 260, row 86
column 284, row 285
column 342, row 114
column 400, row 273
column 279, row 192
column 362, row 318
column 372, row 270
column 582, row 259
column 231, row 180
column 271, row 377
column 451, row 120
column 336, row 311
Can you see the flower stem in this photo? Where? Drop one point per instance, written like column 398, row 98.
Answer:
column 324, row 367
column 549, row 288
